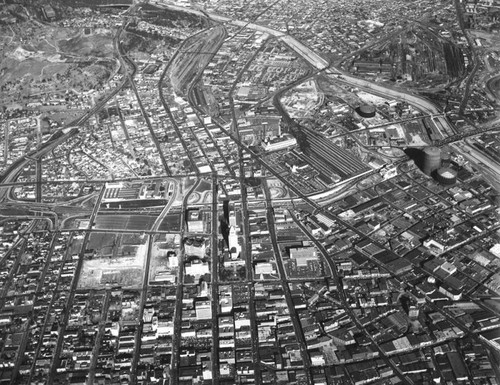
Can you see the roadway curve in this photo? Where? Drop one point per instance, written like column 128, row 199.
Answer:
column 145, row 279
column 443, row 126
column 493, row 87
column 57, row 138
column 321, row 64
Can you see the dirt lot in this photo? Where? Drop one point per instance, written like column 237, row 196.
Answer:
column 117, row 265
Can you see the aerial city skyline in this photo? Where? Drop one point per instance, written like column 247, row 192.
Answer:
column 224, row 192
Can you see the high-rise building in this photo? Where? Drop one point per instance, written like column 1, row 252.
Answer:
column 234, row 246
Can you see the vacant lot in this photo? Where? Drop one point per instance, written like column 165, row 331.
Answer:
column 171, row 223
column 126, row 269
column 99, row 240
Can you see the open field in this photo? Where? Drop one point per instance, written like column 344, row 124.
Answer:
column 99, row 241
column 133, row 239
column 171, row 223
column 98, row 44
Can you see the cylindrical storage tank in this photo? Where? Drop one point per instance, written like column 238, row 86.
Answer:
column 445, row 156
column 432, row 160
column 446, row 176
column 366, row 111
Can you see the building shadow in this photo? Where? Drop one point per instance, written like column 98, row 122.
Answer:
column 416, row 155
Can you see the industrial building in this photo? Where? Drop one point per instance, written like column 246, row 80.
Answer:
column 431, row 160
column 366, row 111
column 446, row 176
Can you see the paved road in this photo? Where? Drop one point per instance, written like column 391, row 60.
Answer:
column 176, row 338
column 246, row 246
column 145, row 280
column 215, row 282
column 98, row 340
column 306, row 360
column 166, row 107
column 345, row 304
column 485, row 164
column 442, row 125
column 125, row 59
column 57, row 352
column 67, row 132
column 48, row 310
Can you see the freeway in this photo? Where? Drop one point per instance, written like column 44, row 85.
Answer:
column 488, row 166
column 412, row 119
column 443, row 126
column 224, row 19
column 64, row 133
column 459, row 136
column 472, row 152
column 56, row 358
column 165, row 105
column 318, row 63
column 229, row 176
column 492, row 86
column 13, row 172
column 191, row 99
column 55, row 140
column 321, row 64
column 51, row 226
column 475, row 62
column 328, row 214
column 125, row 59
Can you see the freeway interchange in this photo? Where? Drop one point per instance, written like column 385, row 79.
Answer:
column 246, row 207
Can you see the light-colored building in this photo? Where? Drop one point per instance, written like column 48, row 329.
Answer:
column 203, row 310
column 302, row 255
column 283, row 142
